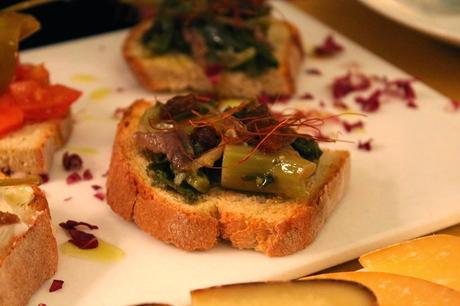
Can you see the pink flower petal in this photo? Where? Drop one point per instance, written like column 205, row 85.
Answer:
column 72, row 162
column 56, row 285
column 349, row 127
column 348, row 83
column 73, row 178
column 87, row 175
column 340, row 105
column 71, row 224
column 366, row 145
column 328, row 47
column 80, row 238
column 45, row 178
column 371, row 103
column 306, row 96
column 100, row 196
column 313, row 71
column 454, row 105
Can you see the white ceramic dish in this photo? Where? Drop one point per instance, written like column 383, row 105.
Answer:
column 407, row 186
column 438, row 18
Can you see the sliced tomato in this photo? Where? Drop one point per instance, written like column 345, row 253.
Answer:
column 32, row 72
column 43, row 102
column 11, row 116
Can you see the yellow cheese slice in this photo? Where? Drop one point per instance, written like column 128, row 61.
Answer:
column 435, row 258
column 399, row 290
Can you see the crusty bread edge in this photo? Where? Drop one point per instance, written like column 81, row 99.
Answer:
column 30, row 260
column 133, row 198
column 38, row 160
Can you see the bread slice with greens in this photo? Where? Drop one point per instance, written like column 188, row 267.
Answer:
column 191, row 172
column 28, row 250
column 233, row 49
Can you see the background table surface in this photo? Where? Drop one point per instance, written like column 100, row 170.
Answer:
column 431, row 61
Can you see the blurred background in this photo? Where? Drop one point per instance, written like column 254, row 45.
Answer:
column 69, row 19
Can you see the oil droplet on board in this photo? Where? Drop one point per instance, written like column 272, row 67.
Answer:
column 105, row 252
column 82, row 150
column 99, row 94
column 83, row 78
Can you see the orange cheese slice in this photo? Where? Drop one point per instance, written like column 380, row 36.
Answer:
column 399, row 290
column 434, row 258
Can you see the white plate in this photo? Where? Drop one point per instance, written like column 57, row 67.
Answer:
column 407, row 186
column 438, row 18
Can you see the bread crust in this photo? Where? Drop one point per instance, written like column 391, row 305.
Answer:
column 30, row 150
column 179, row 72
column 30, row 260
column 278, row 228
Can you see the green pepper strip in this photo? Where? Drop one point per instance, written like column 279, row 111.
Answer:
column 13, row 28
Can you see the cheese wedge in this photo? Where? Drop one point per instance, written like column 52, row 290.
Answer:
column 399, row 290
column 434, row 258
column 294, row 293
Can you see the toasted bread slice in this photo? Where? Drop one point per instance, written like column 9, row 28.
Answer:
column 178, row 72
column 30, row 150
column 274, row 226
column 28, row 250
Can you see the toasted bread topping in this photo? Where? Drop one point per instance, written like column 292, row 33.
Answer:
column 194, row 143
column 26, row 94
column 219, row 35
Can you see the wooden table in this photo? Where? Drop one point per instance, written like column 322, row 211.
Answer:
column 431, row 61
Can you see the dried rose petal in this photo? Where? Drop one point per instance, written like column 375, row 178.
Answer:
column 44, row 178
column 71, row 162
column 73, row 178
column 87, row 175
column 83, row 240
column 71, row 224
column 371, row 103
column 455, row 105
column 349, row 127
column 56, row 285
column 96, row 187
column 340, row 105
column 400, row 88
column 328, row 47
column 100, row 196
column 80, row 239
column 411, row 104
column 313, row 71
column 306, row 96
column 366, row 145
column 348, row 83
